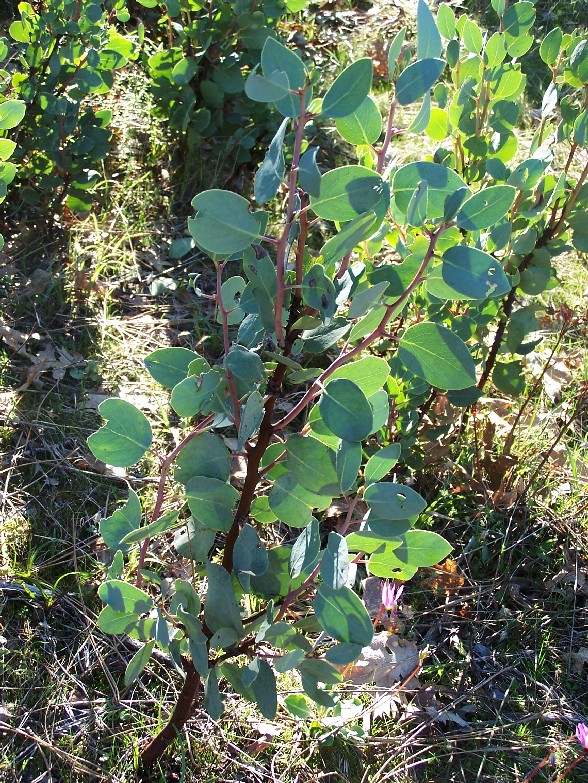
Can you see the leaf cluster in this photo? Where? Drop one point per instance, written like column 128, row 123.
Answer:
column 416, row 292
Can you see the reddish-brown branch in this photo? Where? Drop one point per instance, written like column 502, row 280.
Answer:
column 165, row 468
column 182, row 711
column 264, row 437
column 283, row 241
column 227, row 345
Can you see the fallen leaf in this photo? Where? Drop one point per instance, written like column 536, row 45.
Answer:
column 17, row 341
column 386, row 662
column 50, row 357
column 446, row 578
column 579, row 660
column 38, row 283
column 570, row 574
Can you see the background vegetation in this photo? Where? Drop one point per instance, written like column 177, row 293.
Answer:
column 97, row 272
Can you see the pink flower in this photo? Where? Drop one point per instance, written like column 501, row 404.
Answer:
column 391, row 595
column 582, row 735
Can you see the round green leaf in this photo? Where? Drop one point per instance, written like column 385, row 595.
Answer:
column 111, row 621
column 252, row 414
column 446, row 21
column 346, row 410
column 550, row 46
column 344, row 653
column 271, row 172
column 395, row 50
column 167, row 521
column 249, row 556
column 472, row 37
column 211, row 502
column 342, row 615
column 442, row 182
column 318, row 291
column 223, row 223
column 382, row 462
column 124, row 597
column 414, row 549
column 309, row 174
column 362, row 126
column 267, row 89
column 169, row 366
column 518, row 18
column 264, row 688
column 357, row 230
column 393, row 501
column 312, row 464
column 509, row 378
column 305, row 550
column 415, row 80
column 349, row 191
column 7, row 147
column 291, row 503
column 349, row 90
column 335, row 563
column 486, row 208
column 220, row 607
column 194, row 541
column 348, row 463
column 138, row 662
column 289, row 661
column 435, row 353
column 205, row 455
column 369, row 373
column 473, row 273
column 184, row 70
column 428, row 39
column 125, row 437
column 11, row 113
column 122, row 522
column 277, row 58
column 438, row 125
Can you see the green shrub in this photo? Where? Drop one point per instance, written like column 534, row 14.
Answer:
column 203, row 53
column 332, row 356
column 57, row 58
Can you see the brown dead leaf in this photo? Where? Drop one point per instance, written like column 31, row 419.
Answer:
column 378, row 51
column 50, row 357
column 89, row 462
column 372, row 595
column 388, row 661
column 391, row 664
column 84, row 284
column 579, row 660
column 446, row 578
column 17, row 341
column 506, row 497
column 570, row 574
column 267, row 731
column 38, row 282
column 498, row 470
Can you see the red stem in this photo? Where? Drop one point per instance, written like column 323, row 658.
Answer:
column 165, row 467
column 227, row 344
column 391, row 131
column 290, row 217
column 182, row 711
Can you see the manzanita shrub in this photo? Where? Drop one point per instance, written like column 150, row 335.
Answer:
column 197, row 72
column 11, row 113
column 58, row 56
column 425, row 283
